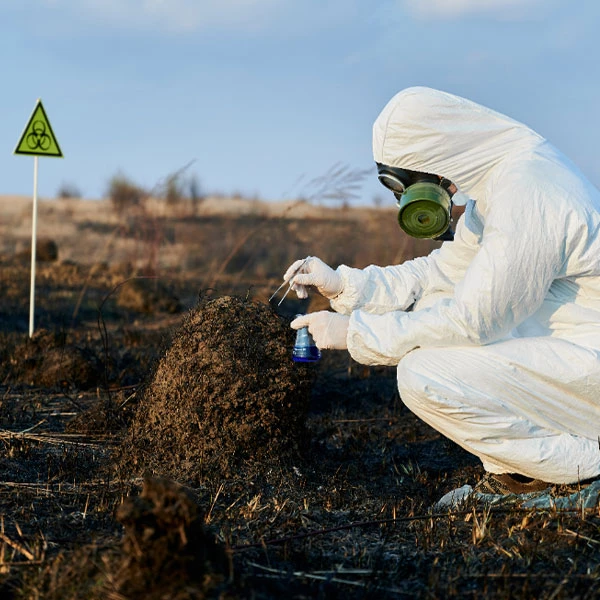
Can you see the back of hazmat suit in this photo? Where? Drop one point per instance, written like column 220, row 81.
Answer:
column 496, row 335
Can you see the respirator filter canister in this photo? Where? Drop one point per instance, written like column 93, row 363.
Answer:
column 424, row 210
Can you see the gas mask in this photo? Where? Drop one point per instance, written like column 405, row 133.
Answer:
column 424, row 200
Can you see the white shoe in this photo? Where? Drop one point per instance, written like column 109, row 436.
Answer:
column 454, row 498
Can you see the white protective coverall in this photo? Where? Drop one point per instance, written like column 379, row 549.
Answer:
column 496, row 334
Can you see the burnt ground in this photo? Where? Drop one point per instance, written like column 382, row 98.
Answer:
column 170, row 449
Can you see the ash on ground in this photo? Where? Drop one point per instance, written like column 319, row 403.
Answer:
column 224, row 396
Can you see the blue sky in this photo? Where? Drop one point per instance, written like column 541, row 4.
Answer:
column 265, row 95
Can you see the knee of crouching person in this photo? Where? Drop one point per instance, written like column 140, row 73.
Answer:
column 410, row 376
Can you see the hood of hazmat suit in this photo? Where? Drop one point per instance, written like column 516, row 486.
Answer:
column 525, row 260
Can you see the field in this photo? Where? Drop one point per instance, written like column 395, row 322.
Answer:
column 335, row 502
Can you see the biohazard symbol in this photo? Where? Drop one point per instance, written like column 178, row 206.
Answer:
column 38, row 137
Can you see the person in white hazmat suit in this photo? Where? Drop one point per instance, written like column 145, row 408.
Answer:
column 496, row 334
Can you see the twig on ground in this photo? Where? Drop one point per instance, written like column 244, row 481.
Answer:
column 54, row 439
column 18, row 547
column 329, row 576
column 579, row 535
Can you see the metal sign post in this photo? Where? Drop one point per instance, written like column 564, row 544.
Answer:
column 37, row 140
column 33, row 246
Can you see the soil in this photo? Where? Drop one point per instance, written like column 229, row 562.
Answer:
column 225, row 395
column 47, row 360
column 146, row 453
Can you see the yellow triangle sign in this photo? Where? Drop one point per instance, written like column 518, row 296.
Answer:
column 38, row 139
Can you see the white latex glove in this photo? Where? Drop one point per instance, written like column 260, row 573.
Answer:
column 328, row 329
column 316, row 273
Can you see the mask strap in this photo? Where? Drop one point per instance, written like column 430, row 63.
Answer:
column 446, row 183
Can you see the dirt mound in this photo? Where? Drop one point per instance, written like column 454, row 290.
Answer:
column 47, row 360
column 165, row 552
column 148, row 295
column 165, row 547
column 46, row 250
column 225, row 394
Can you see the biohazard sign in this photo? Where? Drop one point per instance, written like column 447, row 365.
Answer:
column 38, row 139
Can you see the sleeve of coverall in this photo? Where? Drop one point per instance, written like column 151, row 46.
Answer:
column 521, row 252
column 379, row 290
